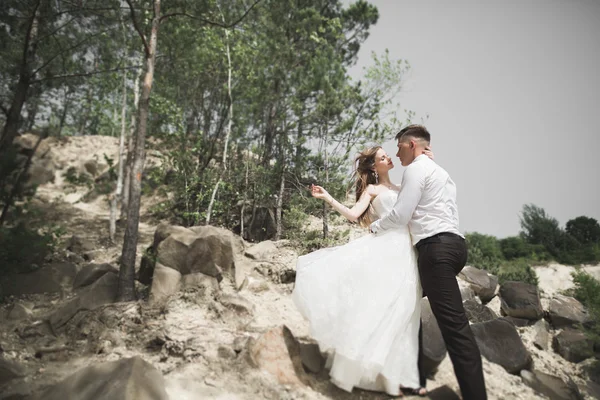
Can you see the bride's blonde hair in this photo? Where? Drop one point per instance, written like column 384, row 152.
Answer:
column 364, row 175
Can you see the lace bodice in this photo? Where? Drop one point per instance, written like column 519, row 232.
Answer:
column 384, row 202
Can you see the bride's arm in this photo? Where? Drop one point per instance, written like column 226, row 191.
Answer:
column 351, row 214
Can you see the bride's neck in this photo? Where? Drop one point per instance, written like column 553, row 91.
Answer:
column 384, row 179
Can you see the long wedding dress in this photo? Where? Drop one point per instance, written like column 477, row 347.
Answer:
column 362, row 301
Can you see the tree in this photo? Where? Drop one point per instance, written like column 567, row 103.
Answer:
column 539, row 228
column 585, row 230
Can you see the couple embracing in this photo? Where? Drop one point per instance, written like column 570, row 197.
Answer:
column 362, row 299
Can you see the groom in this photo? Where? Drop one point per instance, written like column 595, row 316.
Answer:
column 427, row 204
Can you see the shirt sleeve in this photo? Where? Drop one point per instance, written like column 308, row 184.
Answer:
column 410, row 194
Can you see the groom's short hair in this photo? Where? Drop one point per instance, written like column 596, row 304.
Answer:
column 414, row 131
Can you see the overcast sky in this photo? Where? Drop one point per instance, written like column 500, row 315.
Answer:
column 512, row 89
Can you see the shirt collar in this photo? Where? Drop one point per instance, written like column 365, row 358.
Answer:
column 420, row 158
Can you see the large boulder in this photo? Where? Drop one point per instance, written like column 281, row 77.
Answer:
column 549, row 385
column 477, row 312
column 125, row 379
column 521, row 300
column 101, row 292
column 542, row 335
column 566, row 311
column 434, row 347
column 166, row 282
column 483, row 284
column 278, row 353
column 10, row 370
column 262, row 251
column 573, row 345
column 495, row 337
column 90, row 273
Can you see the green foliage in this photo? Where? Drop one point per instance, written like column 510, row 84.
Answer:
column 514, row 247
column 518, row 269
column 587, row 291
column 76, row 178
column 484, row 251
column 23, row 249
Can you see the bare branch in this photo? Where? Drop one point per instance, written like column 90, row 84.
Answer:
column 138, row 29
column 209, row 22
column 86, row 73
column 44, row 65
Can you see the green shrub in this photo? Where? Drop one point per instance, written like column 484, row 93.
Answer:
column 519, row 269
column 23, row 249
column 587, row 291
column 514, row 247
column 484, row 251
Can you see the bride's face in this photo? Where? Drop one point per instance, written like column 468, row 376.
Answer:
column 383, row 162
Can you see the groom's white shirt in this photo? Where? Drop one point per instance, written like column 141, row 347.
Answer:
column 426, row 202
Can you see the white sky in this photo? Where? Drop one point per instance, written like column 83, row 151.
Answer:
column 512, row 89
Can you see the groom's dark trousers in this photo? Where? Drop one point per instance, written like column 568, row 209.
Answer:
column 441, row 258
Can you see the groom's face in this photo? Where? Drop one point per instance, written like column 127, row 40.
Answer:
column 405, row 151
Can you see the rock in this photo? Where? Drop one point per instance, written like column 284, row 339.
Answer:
column 519, row 322
column 64, row 272
column 593, row 389
column 551, row 386
column 477, row 312
column 125, row 379
column 542, row 335
column 26, row 142
column 311, row 357
column 483, row 284
column 172, row 252
column 443, row 393
column 19, row 311
column 92, row 166
column 166, row 282
column 566, row 311
column 203, row 256
column 262, row 251
column 237, row 303
column 573, row 345
column 521, row 300
column 243, row 268
column 200, row 280
column 287, row 276
column 465, row 290
column 80, row 245
column 91, row 273
column 146, row 270
column 434, row 348
column 101, row 292
column 256, row 284
column 278, row 353
column 495, row 337
column 40, row 281
column 226, row 352
column 10, row 370
column 164, row 230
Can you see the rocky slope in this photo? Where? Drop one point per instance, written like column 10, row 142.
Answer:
column 215, row 319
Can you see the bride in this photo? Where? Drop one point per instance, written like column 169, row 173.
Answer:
column 362, row 299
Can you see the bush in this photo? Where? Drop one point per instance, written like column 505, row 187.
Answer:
column 587, row 291
column 514, row 247
column 484, row 251
column 23, row 249
column 519, row 269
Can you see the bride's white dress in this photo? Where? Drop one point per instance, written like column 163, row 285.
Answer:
column 362, row 301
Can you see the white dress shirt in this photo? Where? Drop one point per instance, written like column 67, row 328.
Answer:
column 426, row 202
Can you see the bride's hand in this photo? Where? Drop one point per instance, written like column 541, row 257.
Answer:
column 428, row 152
column 319, row 192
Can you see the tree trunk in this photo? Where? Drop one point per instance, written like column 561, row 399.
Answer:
column 63, row 115
column 13, row 119
column 128, row 165
column 17, row 183
column 243, row 210
column 227, row 134
column 279, row 209
column 32, row 106
column 116, row 198
column 86, row 113
column 325, row 205
column 127, row 268
column 270, row 130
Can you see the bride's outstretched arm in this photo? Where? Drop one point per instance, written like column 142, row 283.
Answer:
column 351, row 214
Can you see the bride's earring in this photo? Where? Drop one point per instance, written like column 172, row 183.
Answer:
column 376, row 177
